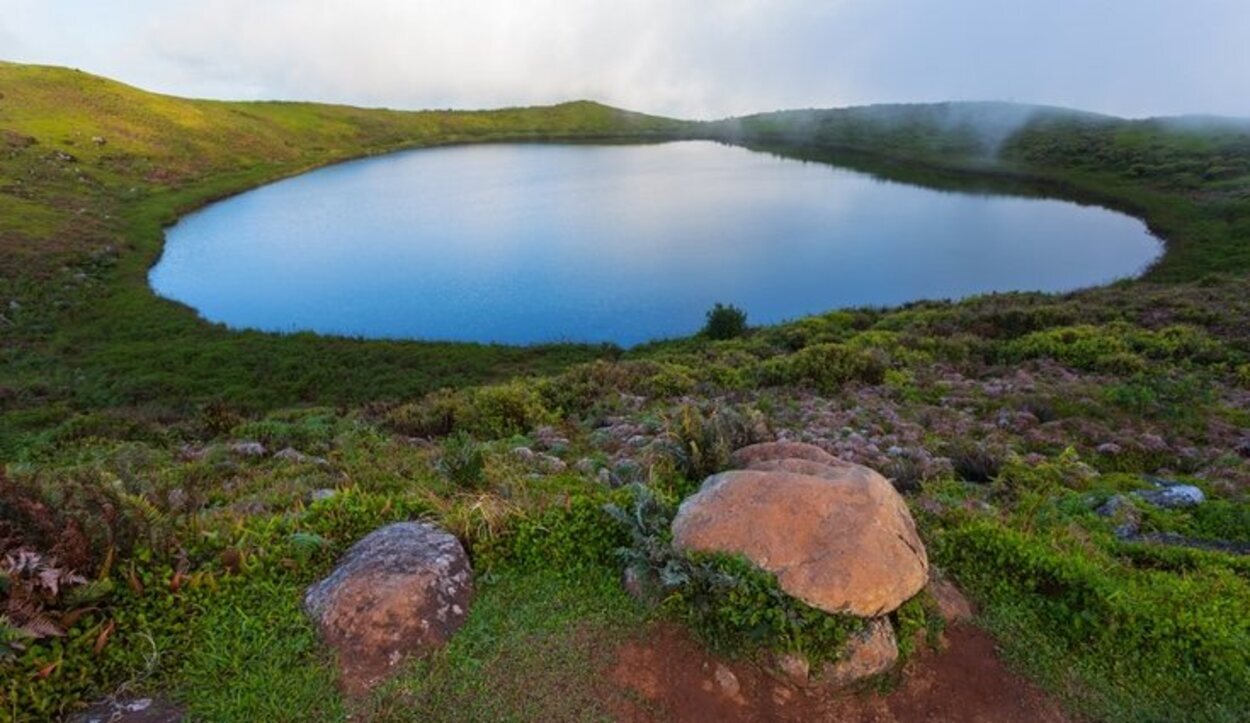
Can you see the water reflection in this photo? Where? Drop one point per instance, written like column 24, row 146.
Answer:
column 533, row 242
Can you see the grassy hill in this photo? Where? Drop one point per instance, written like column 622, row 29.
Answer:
column 1009, row 420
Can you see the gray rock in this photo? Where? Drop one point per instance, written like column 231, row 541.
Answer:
column 247, row 449
column 402, row 590
column 1124, row 514
column 321, row 494
column 1174, row 496
column 290, row 454
column 135, row 710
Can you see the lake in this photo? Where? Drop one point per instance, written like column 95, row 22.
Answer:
column 528, row 243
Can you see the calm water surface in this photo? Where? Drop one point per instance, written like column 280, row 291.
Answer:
column 534, row 243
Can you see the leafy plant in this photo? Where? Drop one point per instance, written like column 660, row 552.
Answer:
column 463, row 461
column 703, row 440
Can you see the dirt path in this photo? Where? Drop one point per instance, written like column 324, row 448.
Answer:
column 666, row 676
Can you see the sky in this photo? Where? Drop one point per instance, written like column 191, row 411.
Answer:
column 685, row 58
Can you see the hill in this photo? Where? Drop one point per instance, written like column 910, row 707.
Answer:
column 168, row 488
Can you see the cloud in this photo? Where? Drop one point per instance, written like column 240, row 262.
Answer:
column 694, row 58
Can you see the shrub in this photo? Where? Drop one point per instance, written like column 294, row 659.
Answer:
column 975, row 461
column 504, row 410
column 462, row 460
column 1243, row 376
column 725, row 322
column 434, row 416
column 703, row 441
column 826, row 367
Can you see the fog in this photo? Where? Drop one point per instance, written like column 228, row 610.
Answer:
column 691, row 58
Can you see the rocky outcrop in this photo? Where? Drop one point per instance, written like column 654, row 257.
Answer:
column 836, row 535
column 402, row 590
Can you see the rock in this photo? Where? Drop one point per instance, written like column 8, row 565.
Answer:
column 319, row 495
column 1124, row 514
column 843, row 542
column 247, row 449
column 402, row 590
column 98, row 140
column 545, row 463
column 763, row 451
column 952, row 605
column 872, row 651
column 1109, row 448
column 290, row 454
column 13, row 139
column 727, row 682
column 137, row 710
column 795, row 668
column 1174, row 496
column 177, row 499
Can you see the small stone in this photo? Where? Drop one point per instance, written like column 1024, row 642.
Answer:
column 176, row 499
column 727, row 681
column 322, row 494
column 795, row 668
column 1108, row 448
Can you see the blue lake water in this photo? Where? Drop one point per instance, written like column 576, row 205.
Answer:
column 525, row 243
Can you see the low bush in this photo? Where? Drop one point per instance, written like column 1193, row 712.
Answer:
column 703, row 440
column 826, row 367
column 462, row 461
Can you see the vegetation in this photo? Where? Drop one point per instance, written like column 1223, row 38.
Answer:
column 152, row 538
column 725, row 322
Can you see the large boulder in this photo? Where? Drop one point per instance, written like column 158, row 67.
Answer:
column 774, row 451
column 402, row 590
column 838, row 536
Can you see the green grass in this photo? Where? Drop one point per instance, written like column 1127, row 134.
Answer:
column 536, row 647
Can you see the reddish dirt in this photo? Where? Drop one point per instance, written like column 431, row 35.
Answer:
column 666, row 676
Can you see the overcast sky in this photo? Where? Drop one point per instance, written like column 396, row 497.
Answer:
column 691, row 58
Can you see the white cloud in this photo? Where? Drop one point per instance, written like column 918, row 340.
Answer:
column 694, row 58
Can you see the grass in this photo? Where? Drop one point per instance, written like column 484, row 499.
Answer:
column 536, row 647
column 1012, row 415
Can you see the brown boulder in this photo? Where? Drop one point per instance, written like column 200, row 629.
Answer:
column 402, row 590
column 843, row 542
column 772, row 451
